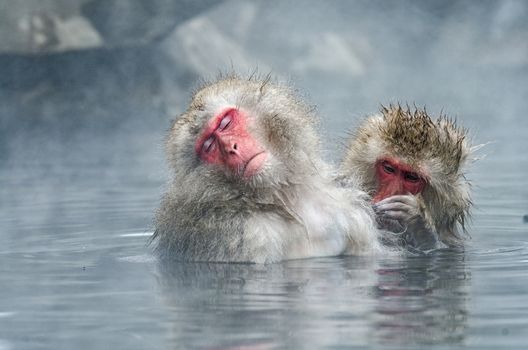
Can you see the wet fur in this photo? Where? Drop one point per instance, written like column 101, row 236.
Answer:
column 291, row 209
column 439, row 148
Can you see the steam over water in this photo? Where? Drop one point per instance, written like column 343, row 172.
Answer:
column 82, row 171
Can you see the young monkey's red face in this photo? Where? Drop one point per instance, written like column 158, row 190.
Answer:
column 397, row 178
column 226, row 141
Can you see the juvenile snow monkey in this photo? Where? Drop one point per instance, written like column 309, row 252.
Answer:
column 249, row 183
column 413, row 167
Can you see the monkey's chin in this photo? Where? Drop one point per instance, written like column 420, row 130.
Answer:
column 254, row 165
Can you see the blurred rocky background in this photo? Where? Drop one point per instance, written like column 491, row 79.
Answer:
column 87, row 92
column 74, row 69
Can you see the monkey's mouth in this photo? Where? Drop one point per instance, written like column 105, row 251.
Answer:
column 254, row 164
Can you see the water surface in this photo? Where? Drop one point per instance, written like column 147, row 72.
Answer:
column 82, row 172
column 76, row 271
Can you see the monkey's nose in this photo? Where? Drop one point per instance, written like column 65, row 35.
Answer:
column 230, row 147
column 233, row 149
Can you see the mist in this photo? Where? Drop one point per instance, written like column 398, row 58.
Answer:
column 467, row 59
column 88, row 90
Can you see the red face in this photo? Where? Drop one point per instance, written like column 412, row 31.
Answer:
column 226, row 141
column 397, row 178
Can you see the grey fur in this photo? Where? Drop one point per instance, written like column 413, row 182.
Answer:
column 438, row 147
column 207, row 212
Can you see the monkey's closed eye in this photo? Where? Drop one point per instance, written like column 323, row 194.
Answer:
column 411, row 177
column 224, row 123
column 208, row 144
column 388, row 168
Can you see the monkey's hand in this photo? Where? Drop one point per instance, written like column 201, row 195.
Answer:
column 402, row 214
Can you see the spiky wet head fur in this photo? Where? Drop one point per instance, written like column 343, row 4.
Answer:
column 437, row 148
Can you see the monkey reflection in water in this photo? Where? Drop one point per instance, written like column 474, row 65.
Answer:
column 249, row 183
column 413, row 167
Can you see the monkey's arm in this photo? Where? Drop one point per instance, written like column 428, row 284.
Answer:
column 402, row 214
